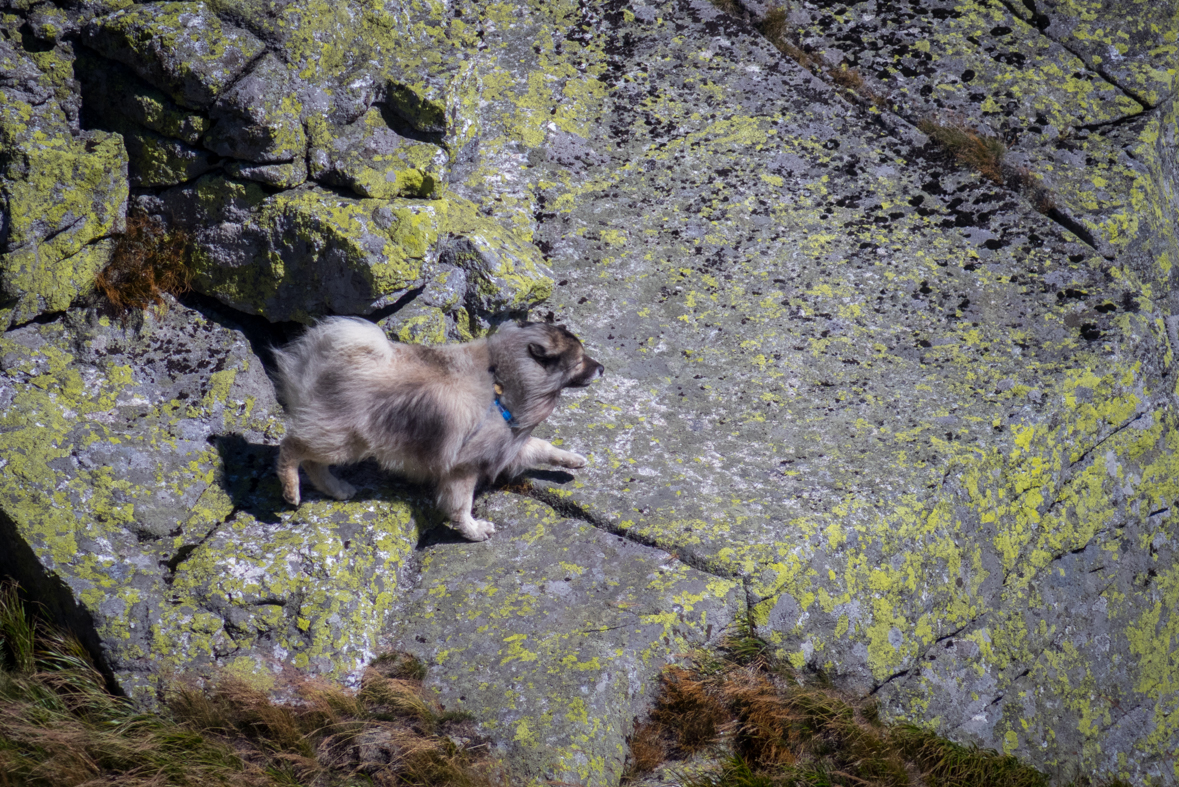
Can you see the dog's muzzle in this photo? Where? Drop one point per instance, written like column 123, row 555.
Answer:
column 590, row 371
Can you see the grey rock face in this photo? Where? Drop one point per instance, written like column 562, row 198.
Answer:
column 581, row 624
column 371, row 159
column 62, row 192
column 258, row 118
column 927, row 429
column 181, row 48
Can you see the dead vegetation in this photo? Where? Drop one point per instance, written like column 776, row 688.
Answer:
column 766, row 726
column 60, row 727
column 986, row 155
column 148, row 261
column 983, row 154
column 775, row 27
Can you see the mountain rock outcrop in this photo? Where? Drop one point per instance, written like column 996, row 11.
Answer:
column 913, row 421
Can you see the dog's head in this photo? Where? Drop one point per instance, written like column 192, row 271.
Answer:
column 560, row 352
column 533, row 362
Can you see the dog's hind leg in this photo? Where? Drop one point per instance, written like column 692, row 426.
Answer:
column 537, row 451
column 319, row 475
column 290, row 455
column 456, row 495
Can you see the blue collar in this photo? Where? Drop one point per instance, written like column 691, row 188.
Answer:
column 503, row 411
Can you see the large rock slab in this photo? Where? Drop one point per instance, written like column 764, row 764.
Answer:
column 891, row 395
column 930, row 431
column 1079, row 92
column 552, row 635
column 138, row 484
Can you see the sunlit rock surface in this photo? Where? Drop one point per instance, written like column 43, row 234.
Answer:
column 917, row 427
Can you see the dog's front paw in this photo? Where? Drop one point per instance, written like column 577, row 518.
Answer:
column 291, row 495
column 476, row 529
column 571, row 460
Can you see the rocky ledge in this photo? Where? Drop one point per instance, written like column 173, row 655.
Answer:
column 915, row 424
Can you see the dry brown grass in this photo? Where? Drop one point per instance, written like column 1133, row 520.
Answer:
column 147, row 262
column 981, row 153
column 985, row 155
column 768, row 727
column 60, row 727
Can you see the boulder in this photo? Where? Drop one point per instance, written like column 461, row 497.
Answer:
column 257, row 119
column 111, row 89
column 152, row 441
column 61, row 195
column 183, row 49
column 372, row 160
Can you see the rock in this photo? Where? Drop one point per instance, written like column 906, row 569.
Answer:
column 505, row 273
column 155, row 160
column 113, row 90
column 421, row 102
column 890, row 395
column 155, row 441
column 181, row 48
column 60, row 196
column 372, row 160
column 336, row 255
column 326, row 254
column 258, row 118
column 561, row 662
column 924, row 421
column 282, row 176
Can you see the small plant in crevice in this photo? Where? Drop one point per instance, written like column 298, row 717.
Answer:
column 61, row 727
column 732, row 7
column 983, row 154
column 775, row 28
column 986, row 155
column 763, row 724
column 148, row 261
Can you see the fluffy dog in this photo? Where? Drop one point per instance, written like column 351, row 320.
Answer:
column 453, row 415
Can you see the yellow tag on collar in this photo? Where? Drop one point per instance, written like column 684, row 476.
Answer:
column 499, row 390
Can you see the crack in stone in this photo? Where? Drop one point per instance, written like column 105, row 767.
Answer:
column 889, row 679
column 184, row 552
column 572, row 510
column 1102, row 441
column 1037, row 15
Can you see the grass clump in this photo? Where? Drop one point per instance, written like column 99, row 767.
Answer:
column 981, row 153
column 771, row 728
column 147, row 262
column 986, row 155
column 61, row 727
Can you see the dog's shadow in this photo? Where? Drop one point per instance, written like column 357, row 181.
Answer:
column 248, row 475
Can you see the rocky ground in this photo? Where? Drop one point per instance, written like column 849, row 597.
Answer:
column 917, row 425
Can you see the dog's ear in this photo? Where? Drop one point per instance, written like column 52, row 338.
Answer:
column 541, row 354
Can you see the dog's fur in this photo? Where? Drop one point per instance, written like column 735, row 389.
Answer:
column 428, row 413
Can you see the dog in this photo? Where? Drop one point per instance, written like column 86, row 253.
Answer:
column 452, row 415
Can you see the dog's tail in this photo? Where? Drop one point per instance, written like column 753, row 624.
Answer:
column 330, row 346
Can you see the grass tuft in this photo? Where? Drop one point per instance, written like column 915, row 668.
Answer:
column 147, row 262
column 981, row 153
column 767, row 727
column 60, row 727
column 985, row 155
